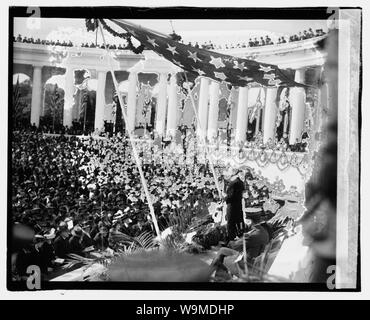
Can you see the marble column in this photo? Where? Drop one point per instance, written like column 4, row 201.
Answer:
column 297, row 99
column 203, row 107
column 242, row 115
column 213, row 110
column 162, row 105
column 270, row 115
column 69, row 91
column 172, row 107
column 36, row 102
column 131, row 102
column 100, row 100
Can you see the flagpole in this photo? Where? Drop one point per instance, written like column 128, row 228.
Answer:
column 85, row 108
column 115, row 115
column 204, row 142
column 134, row 151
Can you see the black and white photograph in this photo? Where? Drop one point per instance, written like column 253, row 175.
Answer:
column 184, row 148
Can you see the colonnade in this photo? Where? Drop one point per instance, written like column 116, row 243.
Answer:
column 208, row 109
column 167, row 105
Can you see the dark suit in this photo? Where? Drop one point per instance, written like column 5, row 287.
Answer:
column 61, row 247
column 47, row 256
column 75, row 245
column 255, row 241
column 234, row 210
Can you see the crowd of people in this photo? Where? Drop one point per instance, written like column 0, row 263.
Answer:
column 31, row 40
column 261, row 41
column 306, row 35
column 76, row 193
column 208, row 45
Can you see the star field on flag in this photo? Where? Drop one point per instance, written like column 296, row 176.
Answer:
column 235, row 71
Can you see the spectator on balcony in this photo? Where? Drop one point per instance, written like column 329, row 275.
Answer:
column 319, row 32
column 255, row 42
column 262, row 42
column 196, row 45
column 283, row 40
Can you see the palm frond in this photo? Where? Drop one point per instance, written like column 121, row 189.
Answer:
column 145, row 240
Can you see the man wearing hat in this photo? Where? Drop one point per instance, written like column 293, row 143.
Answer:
column 75, row 242
column 234, row 196
column 61, row 243
column 47, row 250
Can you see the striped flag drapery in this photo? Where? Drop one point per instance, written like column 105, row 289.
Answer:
column 220, row 67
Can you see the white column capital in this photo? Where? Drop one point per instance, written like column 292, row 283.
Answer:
column 300, row 75
column 37, row 65
column 133, row 75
